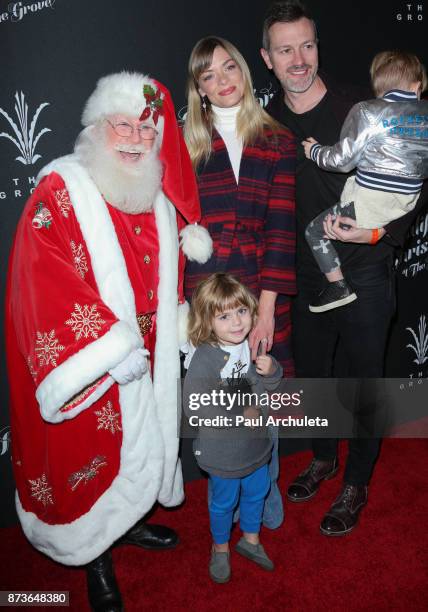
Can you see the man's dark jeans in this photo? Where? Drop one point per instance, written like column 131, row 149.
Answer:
column 362, row 329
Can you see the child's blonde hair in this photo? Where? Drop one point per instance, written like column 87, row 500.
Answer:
column 214, row 295
column 396, row 70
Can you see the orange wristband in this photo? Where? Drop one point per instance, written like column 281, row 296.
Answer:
column 375, row 236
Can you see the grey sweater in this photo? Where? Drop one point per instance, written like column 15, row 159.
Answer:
column 228, row 447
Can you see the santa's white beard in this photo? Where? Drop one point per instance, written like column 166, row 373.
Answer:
column 129, row 186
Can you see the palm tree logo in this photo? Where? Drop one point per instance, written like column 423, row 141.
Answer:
column 264, row 95
column 421, row 341
column 25, row 137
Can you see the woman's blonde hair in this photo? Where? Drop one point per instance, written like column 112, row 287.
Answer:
column 396, row 70
column 215, row 294
column 199, row 122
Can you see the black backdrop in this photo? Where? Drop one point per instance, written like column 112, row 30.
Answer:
column 53, row 51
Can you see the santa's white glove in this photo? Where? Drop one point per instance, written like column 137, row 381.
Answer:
column 131, row 368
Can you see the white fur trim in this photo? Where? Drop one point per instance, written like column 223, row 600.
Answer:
column 102, row 386
column 149, row 468
column 120, row 93
column 130, row 496
column 183, row 320
column 82, row 369
column 167, row 361
column 196, row 243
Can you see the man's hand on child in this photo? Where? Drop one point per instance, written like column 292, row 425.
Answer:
column 359, row 235
column 308, row 144
column 264, row 365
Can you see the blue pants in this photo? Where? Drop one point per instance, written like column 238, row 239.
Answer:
column 251, row 493
column 273, row 513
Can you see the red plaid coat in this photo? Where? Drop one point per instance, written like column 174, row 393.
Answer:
column 252, row 224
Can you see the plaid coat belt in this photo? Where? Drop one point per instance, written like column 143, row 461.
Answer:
column 229, row 230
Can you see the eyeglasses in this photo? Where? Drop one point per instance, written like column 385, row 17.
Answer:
column 126, row 131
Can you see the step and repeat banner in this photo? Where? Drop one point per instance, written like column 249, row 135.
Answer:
column 54, row 51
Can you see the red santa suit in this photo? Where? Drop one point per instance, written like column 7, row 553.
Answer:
column 91, row 457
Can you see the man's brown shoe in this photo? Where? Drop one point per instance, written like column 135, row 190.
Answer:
column 343, row 514
column 307, row 483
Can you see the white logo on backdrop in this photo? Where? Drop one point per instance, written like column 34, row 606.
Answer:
column 264, row 95
column 25, row 137
column 4, row 440
column 412, row 11
column 420, row 347
column 16, row 11
column 414, row 258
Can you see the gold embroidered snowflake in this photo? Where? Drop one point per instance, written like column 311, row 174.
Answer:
column 79, row 258
column 63, row 201
column 108, row 419
column 47, row 348
column 41, row 490
column 85, row 321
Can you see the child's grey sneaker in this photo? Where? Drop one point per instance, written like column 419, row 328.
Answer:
column 220, row 566
column 254, row 552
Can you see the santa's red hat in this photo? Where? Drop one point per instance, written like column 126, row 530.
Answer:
column 139, row 96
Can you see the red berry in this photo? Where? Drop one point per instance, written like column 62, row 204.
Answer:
column 145, row 114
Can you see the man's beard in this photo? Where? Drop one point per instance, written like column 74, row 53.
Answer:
column 128, row 186
column 296, row 84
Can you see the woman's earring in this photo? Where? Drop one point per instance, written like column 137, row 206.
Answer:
column 204, row 104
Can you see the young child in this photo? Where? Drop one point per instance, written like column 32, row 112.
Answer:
column 236, row 459
column 386, row 139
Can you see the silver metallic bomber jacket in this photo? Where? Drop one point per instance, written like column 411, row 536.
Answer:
column 386, row 139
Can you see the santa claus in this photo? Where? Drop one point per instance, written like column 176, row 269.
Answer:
column 94, row 305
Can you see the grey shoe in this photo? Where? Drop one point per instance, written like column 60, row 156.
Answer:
column 220, row 566
column 254, row 552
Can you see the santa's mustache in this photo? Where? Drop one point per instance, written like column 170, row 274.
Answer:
column 124, row 148
column 299, row 67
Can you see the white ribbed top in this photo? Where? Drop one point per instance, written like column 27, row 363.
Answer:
column 225, row 124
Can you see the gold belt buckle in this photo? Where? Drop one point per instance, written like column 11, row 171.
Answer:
column 145, row 322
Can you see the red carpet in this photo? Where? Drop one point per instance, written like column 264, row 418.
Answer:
column 382, row 565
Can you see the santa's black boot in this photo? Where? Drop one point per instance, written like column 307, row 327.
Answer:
column 103, row 591
column 149, row 536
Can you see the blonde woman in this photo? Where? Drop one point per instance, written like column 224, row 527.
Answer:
column 244, row 162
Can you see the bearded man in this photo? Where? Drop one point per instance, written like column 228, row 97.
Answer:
column 93, row 313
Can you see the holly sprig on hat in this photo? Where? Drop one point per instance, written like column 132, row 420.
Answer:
column 154, row 104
